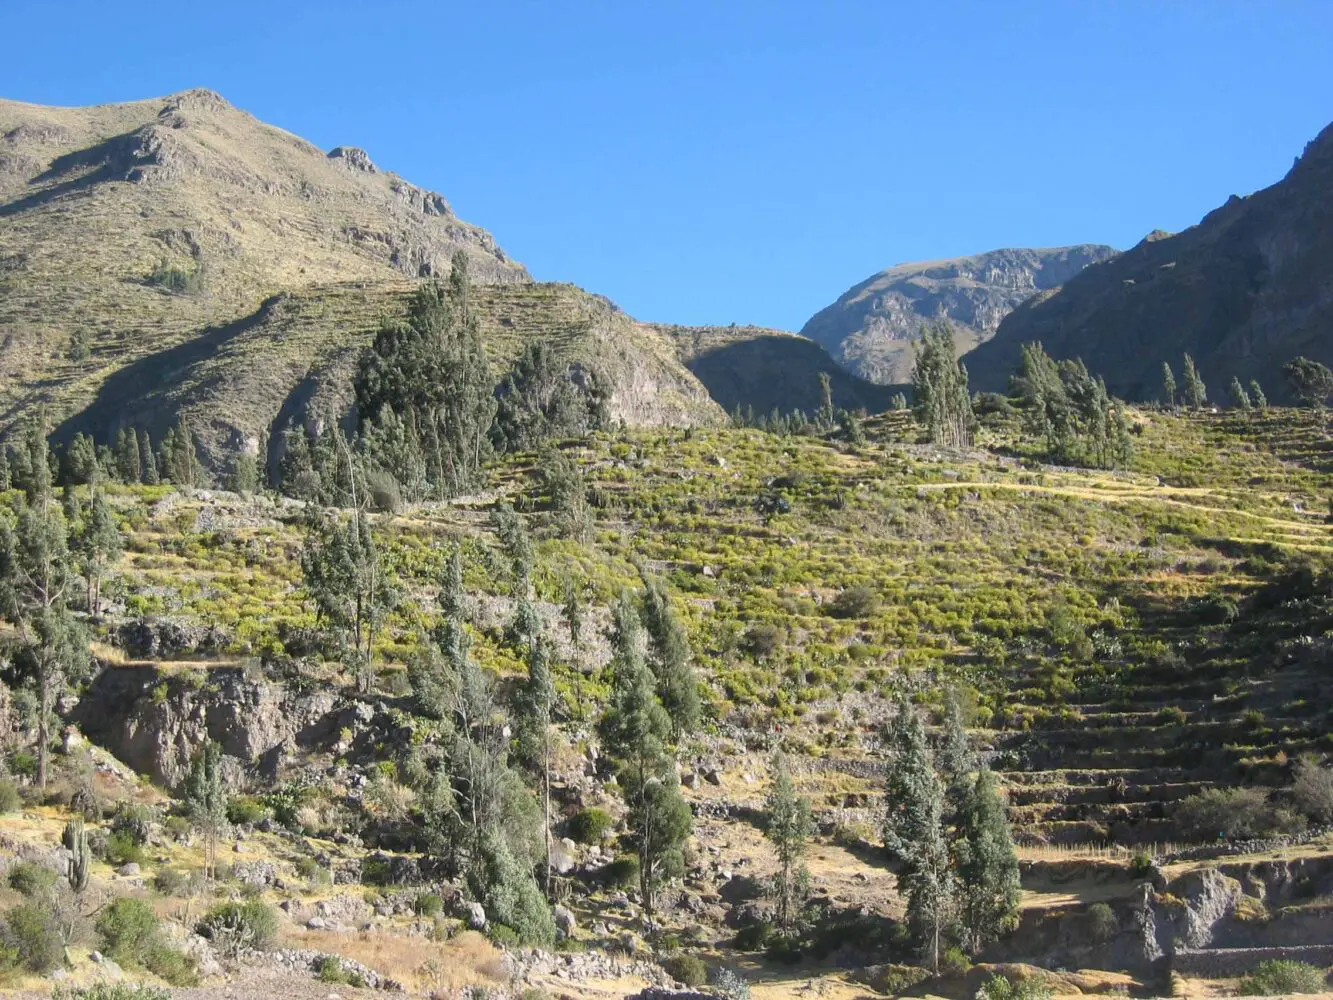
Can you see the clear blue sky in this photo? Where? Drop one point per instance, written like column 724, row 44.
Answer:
column 722, row 161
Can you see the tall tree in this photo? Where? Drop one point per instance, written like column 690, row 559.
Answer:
column 128, row 464
column 635, row 729
column 1240, row 399
column 344, row 577
column 827, row 414
column 914, row 832
column 430, row 372
column 535, row 704
column 1257, row 395
column 36, row 578
column 1310, row 381
column 1196, row 393
column 957, row 762
column 98, row 544
column 148, row 460
column 206, row 801
column 987, row 866
column 939, row 383
column 542, row 398
column 669, row 655
column 788, row 826
column 1168, row 385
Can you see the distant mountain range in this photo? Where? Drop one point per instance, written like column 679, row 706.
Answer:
column 870, row 329
column 1244, row 291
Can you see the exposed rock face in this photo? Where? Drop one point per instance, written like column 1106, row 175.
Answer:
column 1243, row 292
column 155, row 724
column 870, row 329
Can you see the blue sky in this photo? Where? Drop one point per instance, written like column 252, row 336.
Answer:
column 722, row 160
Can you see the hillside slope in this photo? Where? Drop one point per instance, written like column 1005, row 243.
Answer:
column 768, row 369
column 871, row 327
column 179, row 255
column 1244, row 291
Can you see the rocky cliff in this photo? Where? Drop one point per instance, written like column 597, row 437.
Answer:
column 1244, row 291
column 871, row 327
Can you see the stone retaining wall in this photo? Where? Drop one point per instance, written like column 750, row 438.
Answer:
column 1223, row 963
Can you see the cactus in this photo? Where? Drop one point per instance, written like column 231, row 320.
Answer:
column 75, row 839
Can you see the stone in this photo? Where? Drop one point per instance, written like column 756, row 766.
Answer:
column 475, row 915
column 689, row 780
column 713, row 776
column 128, row 870
column 564, row 920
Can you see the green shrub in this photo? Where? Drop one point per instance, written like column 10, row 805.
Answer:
column 233, row 927
column 121, row 849
column 1232, row 814
column 855, row 602
column 246, row 810
column 105, row 990
column 10, row 800
column 753, row 937
column 133, row 822
column 428, row 904
column 622, row 872
column 31, row 934
column 953, row 962
column 313, row 872
column 688, row 970
column 32, row 880
column 1141, row 865
column 1102, row 922
column 174, row 882
column 1000, row 988
column 1278, row 977
column 730, row 985
column 330, row 970
column 589, row 826
column 126, row 927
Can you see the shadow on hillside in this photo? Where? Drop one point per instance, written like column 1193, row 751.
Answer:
column 781, row 372
column 137, row 394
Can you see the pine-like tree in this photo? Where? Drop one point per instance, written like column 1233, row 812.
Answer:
column 1240, row 399
column 1168, row 385
column 535, row 705
column 36, row 578
column 669, row 657
column 826, row 417
column 1257, row 395
column 1196, row 393
column 149, row 474
column 788, row 826
column 634, row 730
column 987, row 866
column 914, row 832
column 939, row 383
column 542, row 398
column 1310, row 381
column 128, row 465
column 98, row 544
column 956, row 759
column 206, row 801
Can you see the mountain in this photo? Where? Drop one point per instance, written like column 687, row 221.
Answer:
column 1244, row 291
column 769, row 369
column 871, row 327
column 179, row 255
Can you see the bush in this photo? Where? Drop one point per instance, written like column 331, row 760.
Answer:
column 730, row 985
column 953, row 962
column 764, row 639
column 133, row 822
column 1102, row 923
column 9, row 796
column 855, row 602
column 246, row 810
column 313, row 872
column 1278, row 977
column 233, row 927
column 1141, row 865
column 428, row 904
column 689, row 970
column 127, row 927
column 105, row 990
column 622, row 872
column 330, row 970
column 121, row 849
column 1232, row 814
column 1312, row 791
column 174, row 882
column 589, row 826
column 31, row 934
column 32, row 880
column 753, row 937
column 1000, row 988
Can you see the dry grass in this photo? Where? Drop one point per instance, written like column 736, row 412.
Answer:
column 421, row 965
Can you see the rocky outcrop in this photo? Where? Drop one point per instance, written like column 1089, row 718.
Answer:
column 870, row 329
column 156, row 722
column 1243, row 292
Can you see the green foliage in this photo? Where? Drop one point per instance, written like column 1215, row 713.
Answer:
column 1071, row 411
column 541, row 398
column 425, row 383
column 236, row 926
column 127, row 928
column 1196, row 393
column 1281, row 977
column 1312, row 790
column 939, row 383
column 247, row 810
column 10, row 800
column 1102, row 923
column 1309, row 381
column 111, row 990
column 177, row 280
column 32, row 936
column 1001, row 988
column 1231, row 814
column 729, row 984
column 206, row 800
column 589, row 826
column 669, row 658
column 859, row 601
column 511, row 895
column 987, row 866
column 331, row 970
column 788, row 826
column 31, row 880
column 688, row 970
